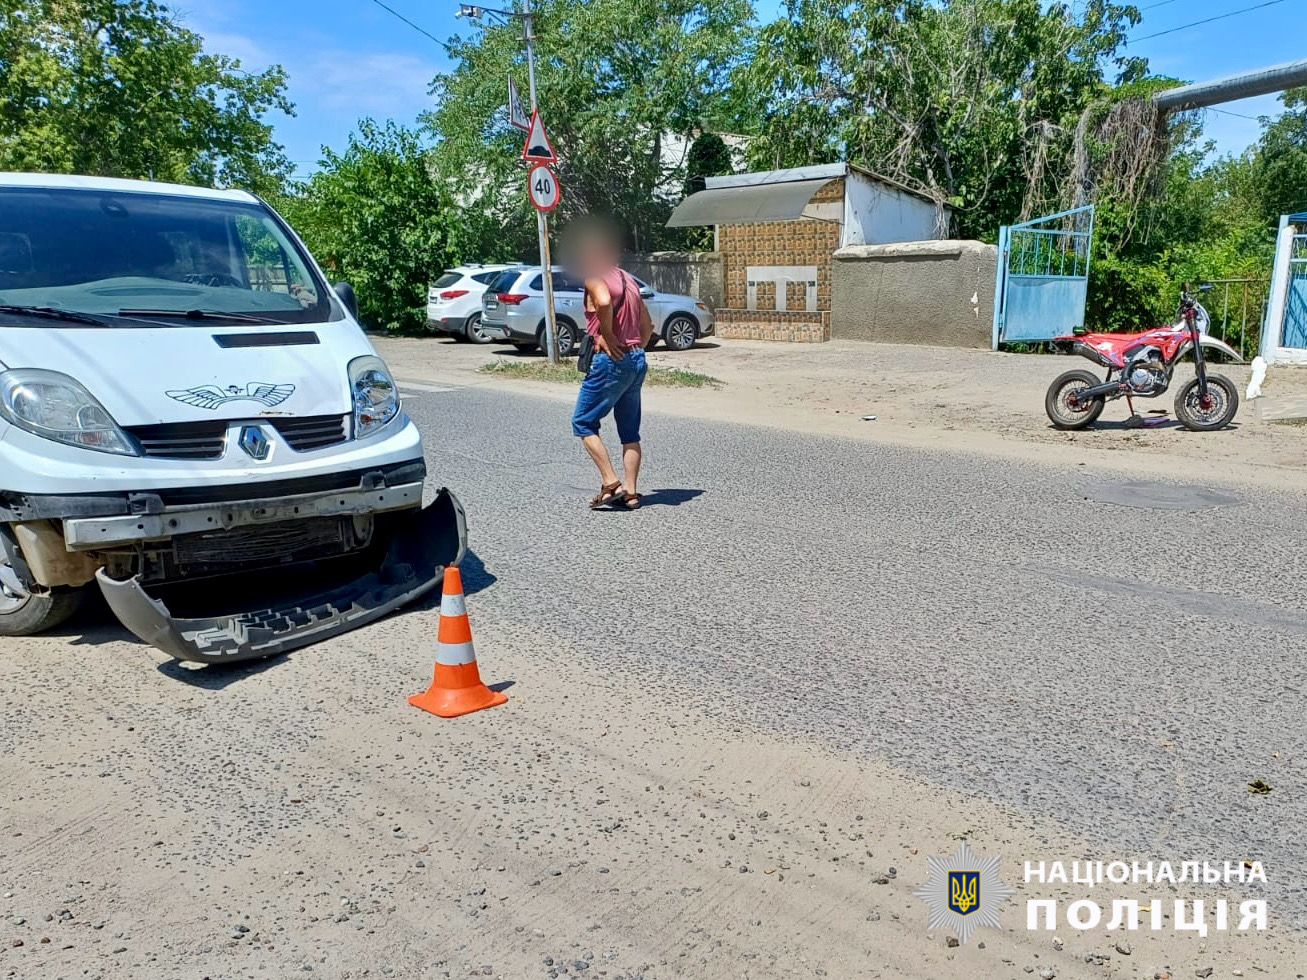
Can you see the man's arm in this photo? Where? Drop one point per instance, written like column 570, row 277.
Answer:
column 602, row 301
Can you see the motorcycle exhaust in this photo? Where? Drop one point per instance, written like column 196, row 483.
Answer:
column 1101, row 390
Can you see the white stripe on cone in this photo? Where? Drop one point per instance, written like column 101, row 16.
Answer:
column 455, row 654
column 453, row 605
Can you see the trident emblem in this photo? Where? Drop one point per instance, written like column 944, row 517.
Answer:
column 963, row 891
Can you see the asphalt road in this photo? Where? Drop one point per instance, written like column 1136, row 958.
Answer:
column 998, row 627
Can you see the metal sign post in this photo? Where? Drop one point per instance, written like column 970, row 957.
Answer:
column 542, row 221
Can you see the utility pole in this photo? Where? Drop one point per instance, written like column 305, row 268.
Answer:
column 542, row 219
column 527, row 17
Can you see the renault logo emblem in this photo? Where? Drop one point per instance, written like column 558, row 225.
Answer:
column 254, row 442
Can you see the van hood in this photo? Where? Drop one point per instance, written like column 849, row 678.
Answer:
column 151, row 375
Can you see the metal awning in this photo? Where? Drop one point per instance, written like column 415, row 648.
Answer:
column 748, row 204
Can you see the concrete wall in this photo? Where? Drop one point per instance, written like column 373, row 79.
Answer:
column 697, row 274
column 938, row 293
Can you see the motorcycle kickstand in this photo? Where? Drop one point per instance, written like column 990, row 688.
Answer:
column 1135, row 421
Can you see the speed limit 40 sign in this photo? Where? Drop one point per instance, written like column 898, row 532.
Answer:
column 542, row 185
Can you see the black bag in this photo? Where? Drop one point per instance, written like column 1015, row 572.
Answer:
column 586, row 354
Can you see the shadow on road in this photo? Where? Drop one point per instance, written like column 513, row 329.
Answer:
column 475, row 574
column 668, row 498
column 218, row 677
column 1152, row 423
column 476, row 577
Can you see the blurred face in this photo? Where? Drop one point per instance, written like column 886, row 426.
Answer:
column 590, row 251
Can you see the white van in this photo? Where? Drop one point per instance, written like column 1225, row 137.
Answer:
column 191, row 418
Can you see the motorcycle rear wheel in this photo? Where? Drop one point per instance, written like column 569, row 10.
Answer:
column 1061, row 411
column 1222, row 404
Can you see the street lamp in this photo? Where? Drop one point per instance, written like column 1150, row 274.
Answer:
column 527, row 17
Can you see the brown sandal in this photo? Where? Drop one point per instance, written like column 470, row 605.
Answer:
column 608, row 495
column 632, row 501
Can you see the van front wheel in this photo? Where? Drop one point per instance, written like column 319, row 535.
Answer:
column 27, row 615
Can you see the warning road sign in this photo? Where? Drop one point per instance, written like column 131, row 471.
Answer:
column 517, row 117
column 542, row 185
column 538, row 149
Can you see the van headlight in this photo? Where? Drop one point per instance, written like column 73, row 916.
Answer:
column 55, row 406
column 376, row 399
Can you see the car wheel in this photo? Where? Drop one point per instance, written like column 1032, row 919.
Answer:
column 29, row 614
column 566, row 338
column 473, row 331
column 680, row 333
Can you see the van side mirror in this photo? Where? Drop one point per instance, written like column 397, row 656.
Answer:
column 345, row 293
column 647, row 293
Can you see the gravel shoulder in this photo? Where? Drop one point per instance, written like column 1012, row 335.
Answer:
column 300, row 819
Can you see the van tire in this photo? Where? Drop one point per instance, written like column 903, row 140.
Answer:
column 41, row 613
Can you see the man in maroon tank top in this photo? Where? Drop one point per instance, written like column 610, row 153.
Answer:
column 619, row 323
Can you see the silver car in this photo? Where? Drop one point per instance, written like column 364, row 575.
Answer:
column 513, row 309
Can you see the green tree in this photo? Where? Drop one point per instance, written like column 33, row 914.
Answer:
column 375, row 216
column 973, row 101
column 119, row 88
column 709, row 156
column 614, row 78
column 1279, row 165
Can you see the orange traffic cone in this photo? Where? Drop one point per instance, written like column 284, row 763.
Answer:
column 457, row 689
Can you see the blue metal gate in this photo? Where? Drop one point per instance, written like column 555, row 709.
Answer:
column 1043, row 277
column 1284, row 336
column 1295, row 311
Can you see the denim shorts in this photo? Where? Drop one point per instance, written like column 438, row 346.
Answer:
column 611, row 386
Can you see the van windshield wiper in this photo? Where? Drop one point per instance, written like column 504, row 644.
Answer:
column 55, row 313
column 199, row 315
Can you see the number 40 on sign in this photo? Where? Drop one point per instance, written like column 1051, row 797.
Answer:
column 542, row 185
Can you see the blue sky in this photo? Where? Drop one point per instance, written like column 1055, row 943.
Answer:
column 349, row 58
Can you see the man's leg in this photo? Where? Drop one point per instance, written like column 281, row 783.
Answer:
column 626, row 413
column 599, row 392
column 631, row 457
column 599, row 453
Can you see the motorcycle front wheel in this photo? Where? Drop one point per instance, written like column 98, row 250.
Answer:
column 1066, row 411
column 1207, row 415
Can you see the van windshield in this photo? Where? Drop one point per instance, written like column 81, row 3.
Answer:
column 153, row 255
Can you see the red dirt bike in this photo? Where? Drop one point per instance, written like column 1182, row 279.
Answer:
column 1140, row 365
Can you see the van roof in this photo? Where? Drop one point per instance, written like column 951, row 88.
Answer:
column 122, row 186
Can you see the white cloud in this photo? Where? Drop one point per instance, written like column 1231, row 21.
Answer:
column 376, row 84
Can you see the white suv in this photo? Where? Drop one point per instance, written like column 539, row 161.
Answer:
column 513, row 309
column 454, row 301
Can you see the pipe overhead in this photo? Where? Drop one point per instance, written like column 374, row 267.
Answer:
column 1263, row 81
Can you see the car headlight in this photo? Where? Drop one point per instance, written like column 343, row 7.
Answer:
column 376, row 399
column 55, row 406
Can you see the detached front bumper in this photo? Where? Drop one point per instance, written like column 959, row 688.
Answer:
column 412, row 565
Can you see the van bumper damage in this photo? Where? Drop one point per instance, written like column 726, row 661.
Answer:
column 411, row 565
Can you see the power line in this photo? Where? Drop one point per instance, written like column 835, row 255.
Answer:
column 1185, row 27
column 1153, row 6
column 424, row 33
column 1227, row 112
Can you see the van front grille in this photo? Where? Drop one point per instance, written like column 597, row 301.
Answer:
column 315, row 432
column 208, row 440
column 181, row 440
